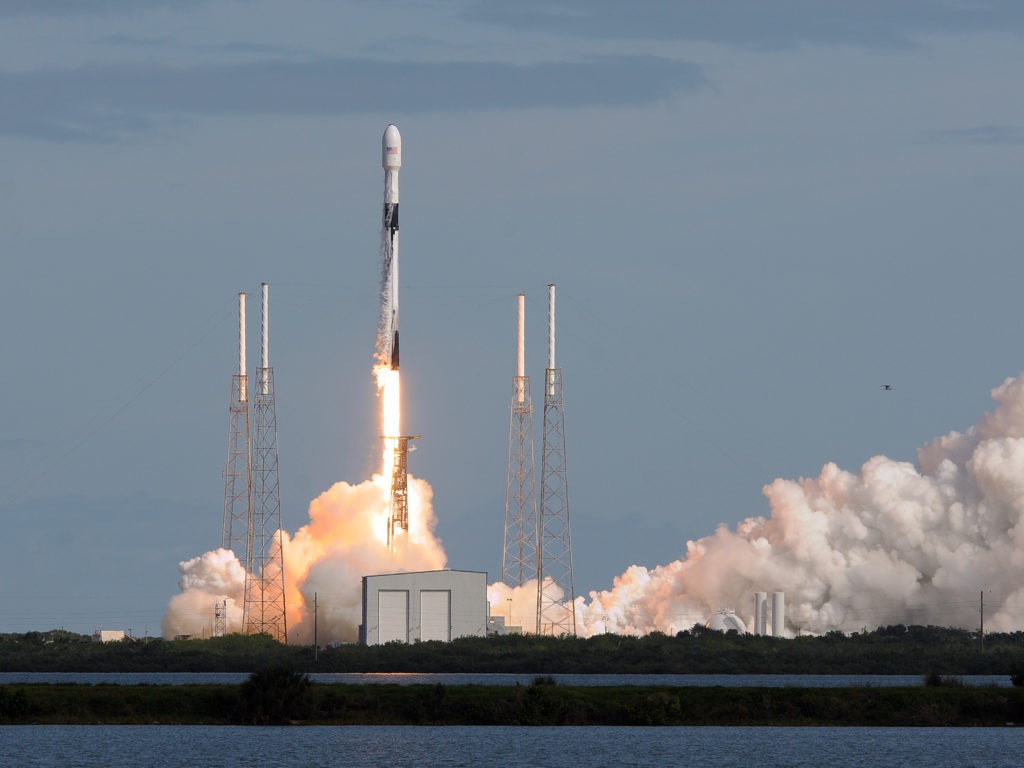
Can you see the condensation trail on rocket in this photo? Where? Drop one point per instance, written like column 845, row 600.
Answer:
column 391, row 158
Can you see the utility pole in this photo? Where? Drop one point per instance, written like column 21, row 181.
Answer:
column 981, row 612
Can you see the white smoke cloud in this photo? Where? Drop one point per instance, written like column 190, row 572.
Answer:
column 344, row 540
column 517, row 605
column 205, row 581
column 893, row 544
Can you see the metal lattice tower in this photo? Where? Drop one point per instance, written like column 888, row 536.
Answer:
column 264, row 606
column 220, row 619
column 399, row 514
column 238, row 470
column 519, row 560
column 556, row 610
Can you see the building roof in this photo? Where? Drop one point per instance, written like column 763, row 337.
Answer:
column 725, row 620
column 412, row 573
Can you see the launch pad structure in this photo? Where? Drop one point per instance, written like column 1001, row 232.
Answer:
column 398, row 513
column 220, row 618
column 252, row 498
column 519, row 558
column 238, row 470
column 264, row 608
column 556, row 609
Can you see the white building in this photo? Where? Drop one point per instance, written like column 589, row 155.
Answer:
column 425, row 605
column 108, row 635
column 725, row 620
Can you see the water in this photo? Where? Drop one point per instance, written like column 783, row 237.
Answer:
column 579, row 747
column 404, row 678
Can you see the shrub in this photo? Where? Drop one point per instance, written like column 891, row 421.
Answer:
column 274, row 695
column 13, row 704
column 935, row 680
column 1016, row 675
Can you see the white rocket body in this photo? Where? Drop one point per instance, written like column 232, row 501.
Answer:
column 391, row 159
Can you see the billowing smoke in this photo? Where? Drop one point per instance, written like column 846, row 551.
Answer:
column 344, row 540
column 206, row 581
column 893, row 544
column 517, row 605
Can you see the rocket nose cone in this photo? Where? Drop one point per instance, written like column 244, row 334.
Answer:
column 391, row 147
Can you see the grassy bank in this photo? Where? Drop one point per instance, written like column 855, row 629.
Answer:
column 537, row 704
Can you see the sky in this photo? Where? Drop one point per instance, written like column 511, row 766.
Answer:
column 756, row 215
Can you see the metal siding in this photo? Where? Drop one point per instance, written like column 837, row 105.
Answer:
column 435, row 615
column 392, row 615
column 467, row 604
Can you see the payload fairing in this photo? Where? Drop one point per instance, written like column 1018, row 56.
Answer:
column 391, row 158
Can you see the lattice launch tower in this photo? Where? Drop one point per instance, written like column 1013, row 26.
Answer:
column 519, row 560
column 264, row 609
column 238, row 471
column 556, row 610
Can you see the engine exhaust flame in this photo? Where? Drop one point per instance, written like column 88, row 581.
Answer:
column 349, row 534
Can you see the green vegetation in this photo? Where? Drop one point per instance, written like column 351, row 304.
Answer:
column 274, row 695
column 280, row 691
column 912, row 650
column 537, row 704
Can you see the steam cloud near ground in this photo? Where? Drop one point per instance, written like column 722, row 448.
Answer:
column 343, row 541
column 894, row 543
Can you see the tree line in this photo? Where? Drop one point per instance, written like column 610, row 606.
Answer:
column 897, row 649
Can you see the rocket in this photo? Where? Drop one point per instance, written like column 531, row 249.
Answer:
column 391, row 159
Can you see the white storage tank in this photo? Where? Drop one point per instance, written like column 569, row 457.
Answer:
column 778, row 614
column 760, row 613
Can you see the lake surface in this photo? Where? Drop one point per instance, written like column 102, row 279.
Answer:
column 580, row 747
column 402, row 678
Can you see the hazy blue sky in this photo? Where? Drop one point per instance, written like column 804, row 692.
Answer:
column 756, row 214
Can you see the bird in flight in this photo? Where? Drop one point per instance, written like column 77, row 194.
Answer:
column 887, row 387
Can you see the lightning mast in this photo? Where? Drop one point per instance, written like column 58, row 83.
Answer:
column 238, row 471
column 264, row 606
column 556, row 610
column 519, row 560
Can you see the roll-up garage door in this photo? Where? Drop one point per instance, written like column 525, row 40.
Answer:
column 393, row 615
column 435, row 615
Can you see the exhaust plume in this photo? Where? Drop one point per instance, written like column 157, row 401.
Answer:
column 205, row 581
column 894, row 544
column 344, row 540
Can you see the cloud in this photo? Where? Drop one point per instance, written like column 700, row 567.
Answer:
column 755, row 23
column 122, row 101
column 85, row 7
column 984, row 134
